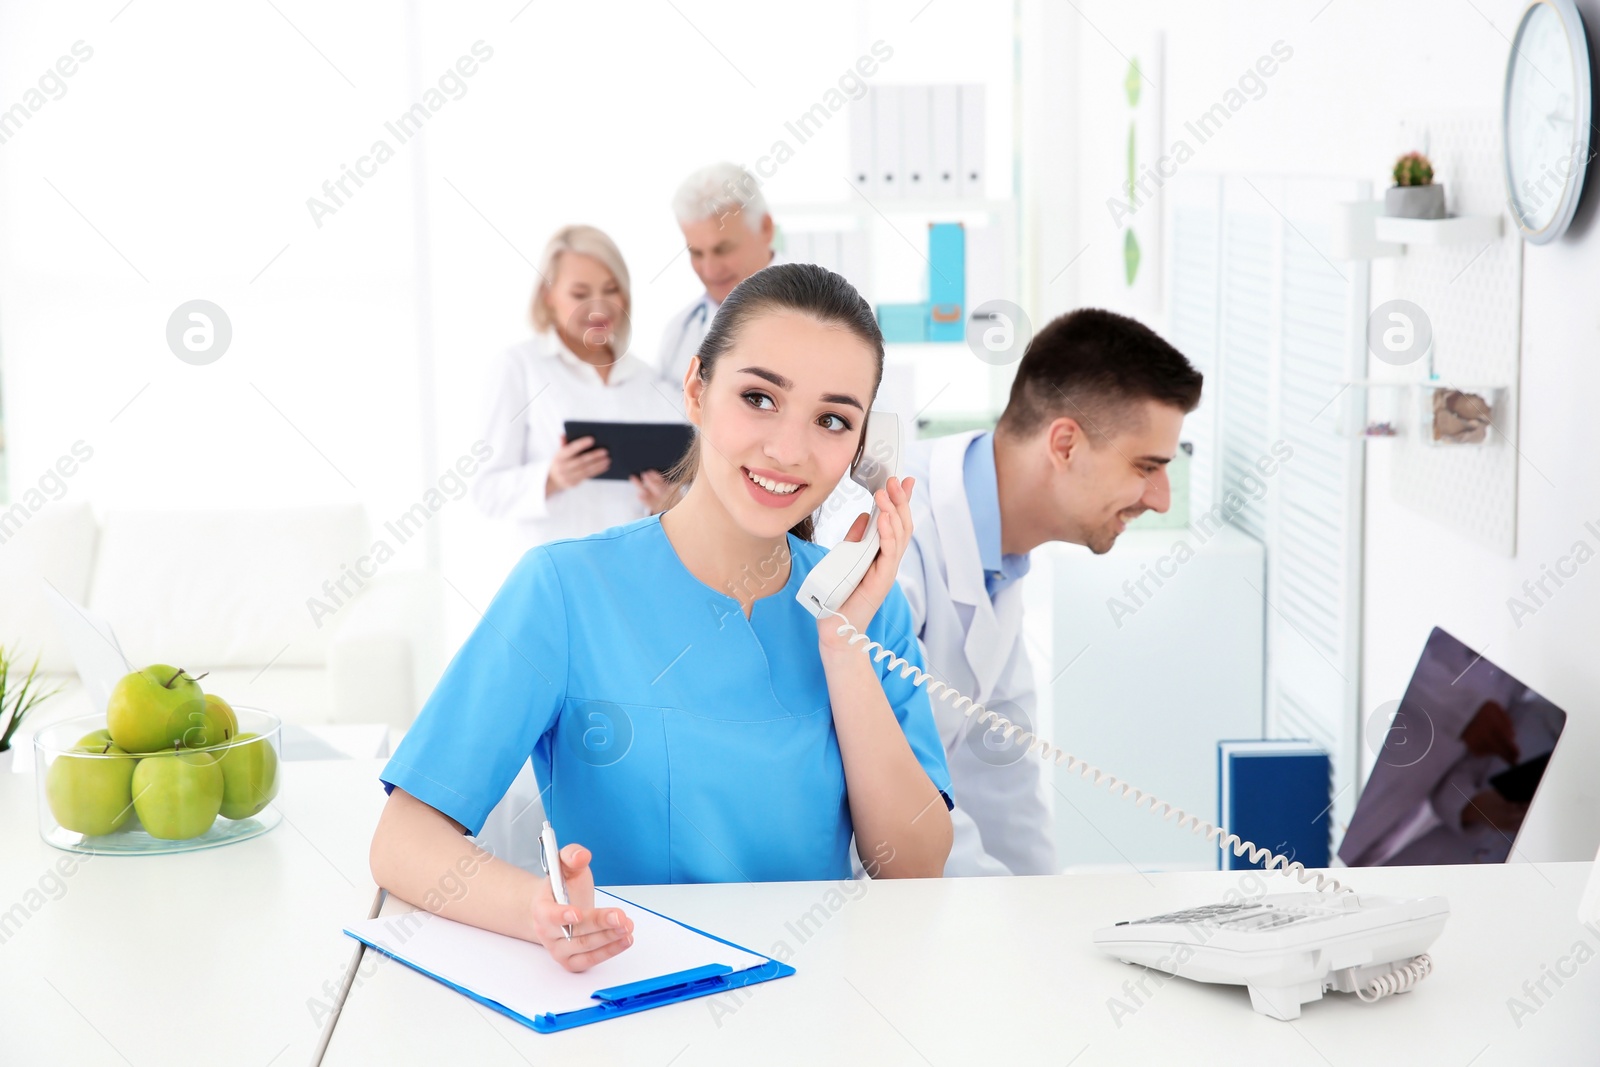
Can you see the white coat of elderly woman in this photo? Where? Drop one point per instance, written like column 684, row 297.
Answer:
column 576, row 367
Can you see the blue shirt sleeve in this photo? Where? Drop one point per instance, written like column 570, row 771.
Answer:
column 894, row 629
column 500, row 693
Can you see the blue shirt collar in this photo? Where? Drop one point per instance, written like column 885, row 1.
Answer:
column 983, row 499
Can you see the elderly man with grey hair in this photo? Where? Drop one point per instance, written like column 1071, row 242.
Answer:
column 728, row 231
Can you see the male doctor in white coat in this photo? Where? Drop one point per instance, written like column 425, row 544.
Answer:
column 728, row 231
column 1081, row 449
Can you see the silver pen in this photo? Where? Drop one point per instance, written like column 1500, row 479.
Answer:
column 550, row 858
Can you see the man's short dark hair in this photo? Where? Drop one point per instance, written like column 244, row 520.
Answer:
column 1094, row 365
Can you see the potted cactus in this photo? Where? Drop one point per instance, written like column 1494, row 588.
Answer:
column 1414, row 194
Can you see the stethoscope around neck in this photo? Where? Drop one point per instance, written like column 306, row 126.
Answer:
column 698, row 315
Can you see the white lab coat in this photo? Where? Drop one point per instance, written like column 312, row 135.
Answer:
column 535, row 387
column 680, row 341
column 974, row 645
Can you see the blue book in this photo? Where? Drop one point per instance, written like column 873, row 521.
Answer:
column 1277, row 794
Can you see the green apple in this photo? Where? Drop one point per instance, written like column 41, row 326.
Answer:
column 249, row 776
column 150, row 709
column 96, row 739
column 177, row 794
column 212, row 722
column 90, row 788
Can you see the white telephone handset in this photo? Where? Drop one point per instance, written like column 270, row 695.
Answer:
column 1287, row 949
column 832, row 580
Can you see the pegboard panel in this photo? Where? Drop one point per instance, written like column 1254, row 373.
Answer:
column 1472, row 294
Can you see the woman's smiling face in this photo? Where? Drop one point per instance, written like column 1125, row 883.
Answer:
column 782, row 417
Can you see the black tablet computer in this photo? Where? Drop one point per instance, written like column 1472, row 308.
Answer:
column 635, row 446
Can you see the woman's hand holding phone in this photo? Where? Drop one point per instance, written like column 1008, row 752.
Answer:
column 597, row 933
column 894, row 537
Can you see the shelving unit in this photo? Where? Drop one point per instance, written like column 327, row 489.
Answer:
column 946, row 380
column 915, row 205
column 1393, row 409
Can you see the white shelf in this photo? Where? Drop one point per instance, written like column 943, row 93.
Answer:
column 1457, row 229
column 1407, row 411
column 912, row 349
column 1421, row 383
column 1362, row 231
column 859, row 205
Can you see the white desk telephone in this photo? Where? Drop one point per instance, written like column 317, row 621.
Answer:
column 1287, row 949
column 831, row 581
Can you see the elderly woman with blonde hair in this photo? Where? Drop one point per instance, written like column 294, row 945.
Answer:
column 577, row 366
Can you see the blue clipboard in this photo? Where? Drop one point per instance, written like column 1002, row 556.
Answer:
column 616, row 1001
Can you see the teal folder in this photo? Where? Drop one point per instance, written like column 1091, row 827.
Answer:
column 903, row 323
column 947, row 281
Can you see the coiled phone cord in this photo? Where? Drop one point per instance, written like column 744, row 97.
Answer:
column 1398, row 980
column 1095, row 776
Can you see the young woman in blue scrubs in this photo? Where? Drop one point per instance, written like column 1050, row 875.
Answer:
column 687, row 719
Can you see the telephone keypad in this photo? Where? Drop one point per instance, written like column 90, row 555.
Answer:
column 1242, row 916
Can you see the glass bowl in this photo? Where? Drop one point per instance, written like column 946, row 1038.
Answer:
column 86, row 794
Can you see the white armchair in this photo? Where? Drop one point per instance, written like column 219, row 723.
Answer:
column 229, row 592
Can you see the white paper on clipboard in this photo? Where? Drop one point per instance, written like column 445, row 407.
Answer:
column 95, row 650
column 527, row 979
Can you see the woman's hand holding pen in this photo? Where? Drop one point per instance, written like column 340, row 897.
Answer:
column 597, row 933
column 894, row 536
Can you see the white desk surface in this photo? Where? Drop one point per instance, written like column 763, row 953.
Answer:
column 210, row 957
column 1002, row 971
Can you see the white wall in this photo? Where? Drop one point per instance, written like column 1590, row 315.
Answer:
column 1359, row 67
column 183, row 152
column 189, row 144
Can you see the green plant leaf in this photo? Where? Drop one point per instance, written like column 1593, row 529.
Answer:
column 1132, row 127
column 14, row 706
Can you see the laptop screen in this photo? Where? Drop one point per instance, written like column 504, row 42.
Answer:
column 1459, row 765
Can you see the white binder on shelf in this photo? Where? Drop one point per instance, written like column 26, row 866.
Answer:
column 797, row 247
column 863, row 170
column 985, row 265
column 888, row 130
column 916, row 148
column 973, row 172
column 825, row 249
column 944, row 127
column 853, row 261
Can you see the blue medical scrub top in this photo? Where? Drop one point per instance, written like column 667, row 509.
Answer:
column 673, row 737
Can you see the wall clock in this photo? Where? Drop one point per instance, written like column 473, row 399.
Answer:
column 1545, row 119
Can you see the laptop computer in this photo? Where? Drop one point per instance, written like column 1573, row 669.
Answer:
column 1459, row 767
